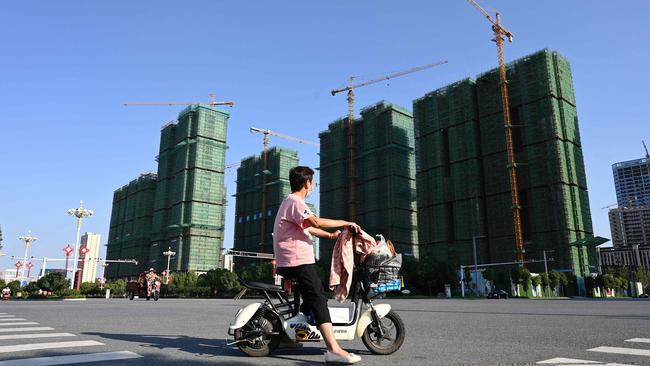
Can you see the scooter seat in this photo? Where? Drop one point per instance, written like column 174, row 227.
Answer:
column 261, row 286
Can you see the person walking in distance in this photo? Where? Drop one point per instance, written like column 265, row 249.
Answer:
column 294, row 226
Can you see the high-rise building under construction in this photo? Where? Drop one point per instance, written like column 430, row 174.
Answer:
column 129, row 235
column 248, row 207
column 384, row 162
column 186, row 211
column 462, row 179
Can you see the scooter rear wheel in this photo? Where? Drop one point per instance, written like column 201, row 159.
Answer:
column 391, row 341
column 263, row 345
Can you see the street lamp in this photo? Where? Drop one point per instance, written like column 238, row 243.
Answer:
column 80, row 213
column 169, row 254
column 28, row 239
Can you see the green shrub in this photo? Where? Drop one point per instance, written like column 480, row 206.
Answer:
column 118, row 287
column 89, row 289
column 69, row 293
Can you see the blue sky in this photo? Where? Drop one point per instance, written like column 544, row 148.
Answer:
column 68, row 67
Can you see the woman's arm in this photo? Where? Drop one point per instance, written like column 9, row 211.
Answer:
column 323, row 223
column 324, row 234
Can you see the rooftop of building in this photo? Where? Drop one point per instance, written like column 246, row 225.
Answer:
column 378, row 107
column 193, row 108
column 273, row 150
column 628, row 163
column 143, row 177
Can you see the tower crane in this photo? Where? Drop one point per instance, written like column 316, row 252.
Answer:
column 350, row 89
column 212, row 103
column 499, row 33
column 265, row 142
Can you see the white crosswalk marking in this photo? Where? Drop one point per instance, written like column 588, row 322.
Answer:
column 50, row 345
column 25, row 329
column 19, row 323
column 622, row 351
column 35, row 335
column 70, row 359
column 638, row 340
column 564, row 361
column 559, row 361
column 22, row 332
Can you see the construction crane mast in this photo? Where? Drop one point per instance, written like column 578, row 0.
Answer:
column 350, row 89
column 212, row 103
column 265, row 142
column 499, row 33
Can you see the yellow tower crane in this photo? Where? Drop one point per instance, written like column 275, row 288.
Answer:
column 265, row 142
column 499, row 32
column 350, row 89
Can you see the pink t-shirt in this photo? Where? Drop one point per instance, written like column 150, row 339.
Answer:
column 292, row 243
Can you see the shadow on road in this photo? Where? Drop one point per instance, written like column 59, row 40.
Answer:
column 608, row 316
column 206, row 350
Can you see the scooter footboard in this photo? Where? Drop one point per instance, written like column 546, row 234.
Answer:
column 366, row 317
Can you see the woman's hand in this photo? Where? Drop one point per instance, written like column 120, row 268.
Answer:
column 355, row 227
column 335, row 235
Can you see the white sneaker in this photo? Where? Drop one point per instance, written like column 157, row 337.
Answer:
column 333, row 358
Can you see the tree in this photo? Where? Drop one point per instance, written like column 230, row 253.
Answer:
column 14, row 286
column 53, row 282
column 228, row 283
column 544, row 281
column 536, row 281
column 31, row 288
column 219, row 281
column 186, row 282
column 642, row 275
column 609, row 281
column 524, row 278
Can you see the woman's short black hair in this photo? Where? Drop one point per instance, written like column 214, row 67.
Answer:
column 298, row 177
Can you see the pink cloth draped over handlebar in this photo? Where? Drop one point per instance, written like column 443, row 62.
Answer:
column 343, row 260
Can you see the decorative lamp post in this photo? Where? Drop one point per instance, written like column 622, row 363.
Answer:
column 18, row 265
column 29, row 270
column 80, row 213
column 169, row 254
column 83, row 251
column 28, row 239
column 68, row 250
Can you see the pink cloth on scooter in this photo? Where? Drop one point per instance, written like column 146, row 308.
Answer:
column 343, row 260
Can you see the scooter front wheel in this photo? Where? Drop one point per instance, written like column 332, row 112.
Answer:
column 394, row 334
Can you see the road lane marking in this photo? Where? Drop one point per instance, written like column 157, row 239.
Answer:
column 638, row 340
column 560, row 360
column 50, row 345
column 19, row 323
column 621, row 351
column 6, row 316
column 35, row 335
column 577, row 362
column 25, row 329
column 10, row 319
column 71, row 359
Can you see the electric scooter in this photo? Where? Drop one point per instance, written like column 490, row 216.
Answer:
column 258, row 328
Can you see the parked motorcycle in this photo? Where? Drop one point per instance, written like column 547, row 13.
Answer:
column 258, row 328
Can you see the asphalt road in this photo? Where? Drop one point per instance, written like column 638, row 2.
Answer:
column 439, row 332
